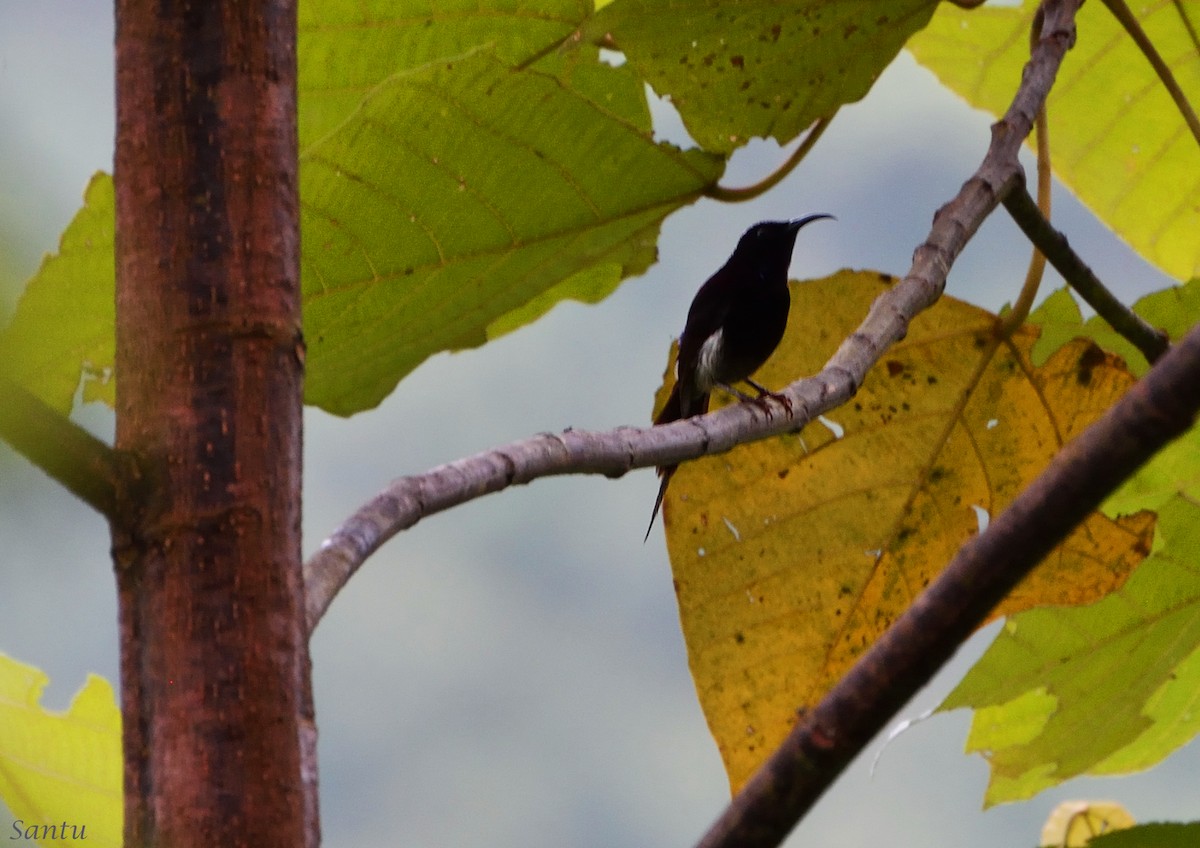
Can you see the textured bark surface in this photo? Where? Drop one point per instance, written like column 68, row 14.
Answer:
column 214, row 664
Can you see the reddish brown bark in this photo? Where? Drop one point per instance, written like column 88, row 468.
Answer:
column 214, row 664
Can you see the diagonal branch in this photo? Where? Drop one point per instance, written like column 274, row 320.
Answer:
column 409, row 499
column 1157, row 409
column 1150, row 341
column 86, row 466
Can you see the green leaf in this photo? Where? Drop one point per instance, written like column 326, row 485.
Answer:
column 61, row 768
column 458, row 194
column 63, row 324
column 455, row 183
column 1121, row 673
column 1173, row 310
column 1176, row 469
column 1117, row 139
column 347, row 47
column 1160, row 835
column 758, row 69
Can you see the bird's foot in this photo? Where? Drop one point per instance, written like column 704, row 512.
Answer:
column 763, row 403
column 765, row 394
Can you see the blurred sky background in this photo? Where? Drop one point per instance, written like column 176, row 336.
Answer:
column 512, row 673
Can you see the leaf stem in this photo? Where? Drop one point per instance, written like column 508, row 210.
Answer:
column 737, row 195
column 1016, row 316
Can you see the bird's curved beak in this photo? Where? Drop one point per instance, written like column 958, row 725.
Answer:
column 795, row 224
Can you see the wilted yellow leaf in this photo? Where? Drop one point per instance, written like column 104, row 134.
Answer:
column 1072, row 824
column 792, row 555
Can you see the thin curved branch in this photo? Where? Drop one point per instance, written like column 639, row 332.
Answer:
column 409, row 499
column 84, row 465
column 613, row 453
column 1127, row 19
column 738, row 195
column 1150, row 341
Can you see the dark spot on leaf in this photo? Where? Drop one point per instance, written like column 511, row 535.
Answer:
column 776, row 29
column 739, row 637
column 895, row 367
column 738, row 62
column 1088, row 361
column 783, row 473
column 931, row 380
column 937, row 473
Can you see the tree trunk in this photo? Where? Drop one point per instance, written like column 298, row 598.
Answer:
column 214, row 663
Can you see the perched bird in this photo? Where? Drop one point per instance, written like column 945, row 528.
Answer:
column 735, row 323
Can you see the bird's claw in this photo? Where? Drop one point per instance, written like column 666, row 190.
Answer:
column 763, row 403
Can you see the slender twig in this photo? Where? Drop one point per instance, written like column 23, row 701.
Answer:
column 737, row 195
column 1015, row 318
column 1150, row 341
column 1037, row 260
column 1156, row 410
column 84, row 465
column 1128, row 20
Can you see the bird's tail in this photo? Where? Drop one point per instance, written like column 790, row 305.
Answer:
column 665, row 472
column 672, row 411
column 669, row 413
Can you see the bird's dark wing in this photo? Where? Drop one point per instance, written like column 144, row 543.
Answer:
column 706, row 316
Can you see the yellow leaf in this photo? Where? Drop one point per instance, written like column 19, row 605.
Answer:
column 1072, row 824
column 60, row 770
column 791, row 556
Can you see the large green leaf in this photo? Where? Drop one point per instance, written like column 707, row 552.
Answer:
column 1117, row 139
column 763, row 68
column 1122, row 673
column 459, row 192
column 459, row 176
column 347, row 47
